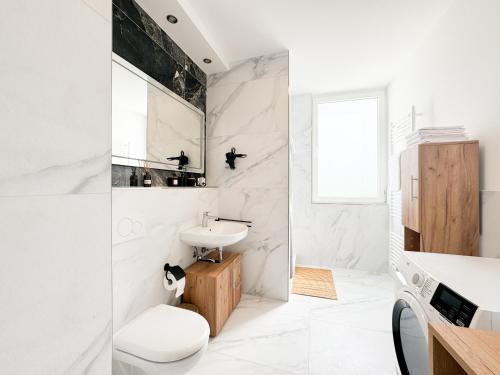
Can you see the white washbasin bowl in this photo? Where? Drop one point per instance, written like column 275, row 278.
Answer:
column 215, row 234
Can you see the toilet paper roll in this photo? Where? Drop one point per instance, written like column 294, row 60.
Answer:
column 171, row 283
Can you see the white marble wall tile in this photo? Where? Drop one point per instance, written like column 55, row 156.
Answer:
column 55, row 101
column 265, row 103
column 251, row 69
column 267, row 154
column 138, row 260
column 263, row 206
column 330, row 235
column 102, row 7
column 55, row 274
column 248, row 109
column 265, row 249
column 55, row 285
column 342, row 236
column 56, row 138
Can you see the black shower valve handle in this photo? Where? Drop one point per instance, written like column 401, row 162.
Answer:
column 233, row 151
column 183, row 160
column 231, row 156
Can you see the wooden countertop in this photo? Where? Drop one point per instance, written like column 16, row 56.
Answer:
column 455, row 350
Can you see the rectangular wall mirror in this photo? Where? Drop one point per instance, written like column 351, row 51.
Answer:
column 151, row 123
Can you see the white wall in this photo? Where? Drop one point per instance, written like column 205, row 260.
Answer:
column 146, row 226
column 330, row 235
column 454, row 79
column 55, row 103
column 247, row 108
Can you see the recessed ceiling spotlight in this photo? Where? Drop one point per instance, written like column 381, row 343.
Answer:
column 207, row 61
column 172, row 19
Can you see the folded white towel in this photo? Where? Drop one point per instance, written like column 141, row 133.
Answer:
column 437, row 134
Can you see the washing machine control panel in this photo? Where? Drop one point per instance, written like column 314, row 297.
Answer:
column 441, row 303
column 418, row 279
column 453, row 306
column 422, row 284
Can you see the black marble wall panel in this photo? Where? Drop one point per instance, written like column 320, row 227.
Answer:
column 140, row 40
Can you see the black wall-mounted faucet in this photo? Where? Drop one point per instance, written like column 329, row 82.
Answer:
column 183, row 160
column 231, row 157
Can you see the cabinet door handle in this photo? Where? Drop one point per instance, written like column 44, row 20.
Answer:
column 411, row 188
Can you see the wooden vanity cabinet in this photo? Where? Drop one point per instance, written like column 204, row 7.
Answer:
column 440, row 197
column 215, row 289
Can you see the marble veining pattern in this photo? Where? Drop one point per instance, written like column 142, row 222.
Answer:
column 330, row 235
column 310, row 336
column 260, row 67
column 247, row 108
column 267, row 154
column 60, row 260
column 266, row 245
column 265, row 102
column 141, row 41
column 55, row 196
column 138, row 48
column 54, row 137
column 146, row 226
column 81, row 176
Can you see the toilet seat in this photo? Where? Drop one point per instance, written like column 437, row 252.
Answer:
column 163, row 334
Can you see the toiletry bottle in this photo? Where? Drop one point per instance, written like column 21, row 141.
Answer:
column 147, row 179
column 134, row 180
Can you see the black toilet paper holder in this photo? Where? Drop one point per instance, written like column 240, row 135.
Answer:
column 176, row 271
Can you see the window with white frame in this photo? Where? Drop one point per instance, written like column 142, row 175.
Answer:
column 349, row 148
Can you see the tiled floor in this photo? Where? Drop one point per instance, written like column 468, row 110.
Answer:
column 309, row 336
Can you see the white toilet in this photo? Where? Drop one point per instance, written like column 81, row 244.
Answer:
column 162, row 340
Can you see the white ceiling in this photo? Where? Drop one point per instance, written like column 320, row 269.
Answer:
column 188, row 33
column 335, row 45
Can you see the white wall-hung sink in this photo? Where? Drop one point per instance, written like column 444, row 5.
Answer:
column 216, row 234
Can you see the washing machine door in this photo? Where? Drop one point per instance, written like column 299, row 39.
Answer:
column 409, row 330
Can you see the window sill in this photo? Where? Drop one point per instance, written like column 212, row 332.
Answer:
column 351, row 203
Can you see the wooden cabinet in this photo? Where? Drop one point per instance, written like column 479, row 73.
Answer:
column 440, row 197
column 215, row 289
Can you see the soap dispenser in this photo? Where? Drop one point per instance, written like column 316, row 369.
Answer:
column 134, row 180
column 146, row 182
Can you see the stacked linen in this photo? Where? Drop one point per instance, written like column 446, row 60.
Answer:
column 437, row 134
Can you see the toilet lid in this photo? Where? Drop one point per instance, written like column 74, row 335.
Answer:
column 163, row 334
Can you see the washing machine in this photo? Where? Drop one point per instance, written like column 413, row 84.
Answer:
column 441, row 288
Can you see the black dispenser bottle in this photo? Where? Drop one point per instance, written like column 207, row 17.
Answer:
column 134, row 179
column 146, row 182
